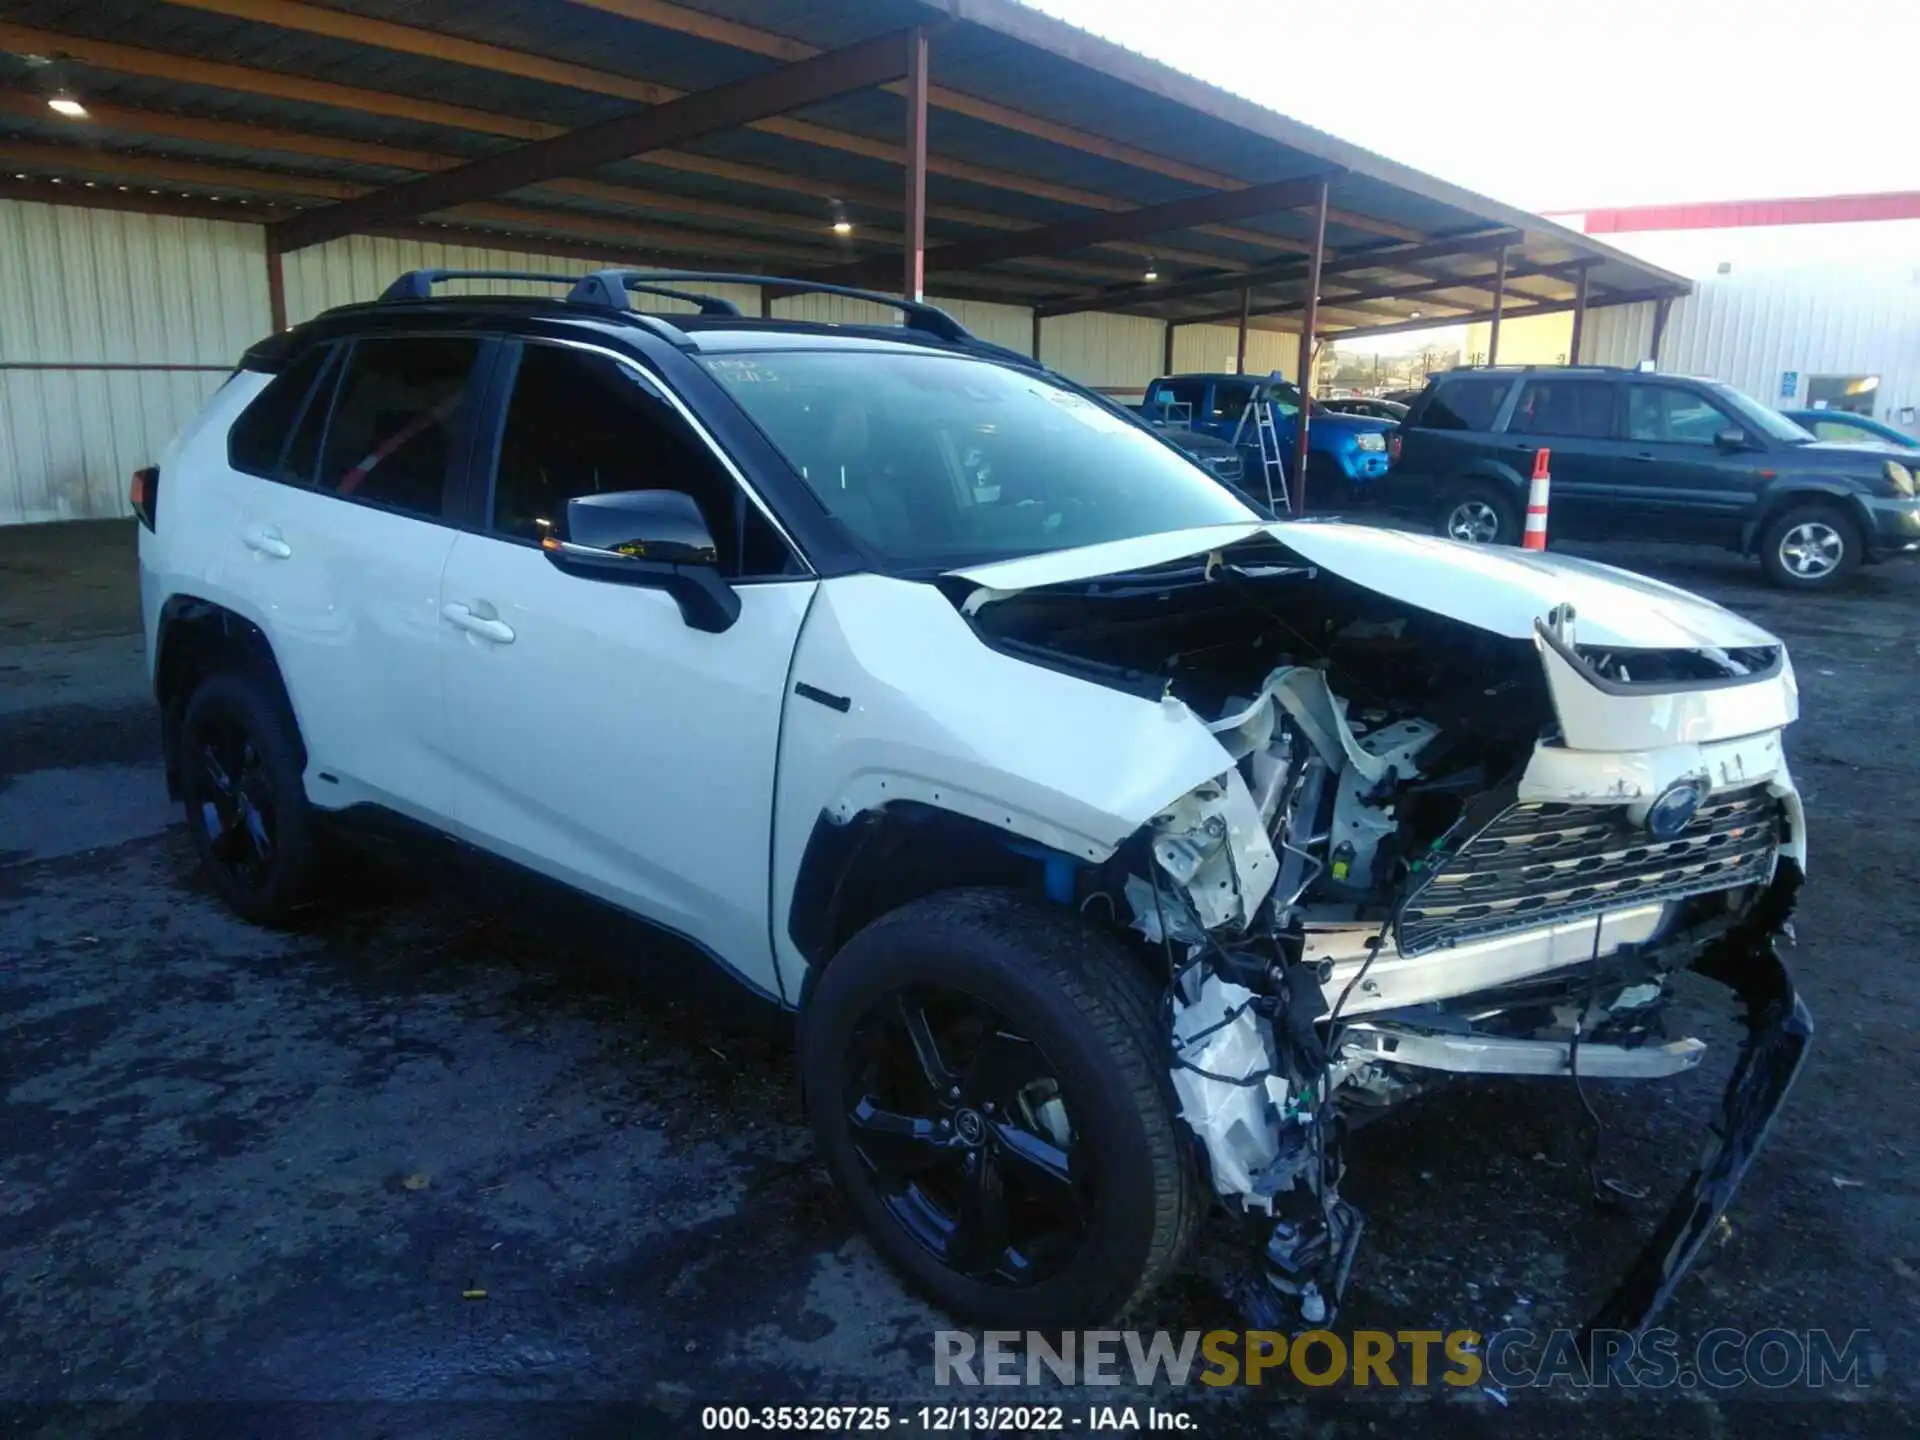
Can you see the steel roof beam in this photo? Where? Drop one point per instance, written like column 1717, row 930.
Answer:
column 161, row 65
column 430, row 44
column 1556, row 307
column 1350, row 262
column 725, row 107
column 1097, row 229
column 1437, row 286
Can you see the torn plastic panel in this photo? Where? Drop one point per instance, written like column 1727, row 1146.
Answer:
column 1433, row 848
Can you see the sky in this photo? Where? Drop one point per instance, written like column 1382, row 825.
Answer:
column 1570, row 104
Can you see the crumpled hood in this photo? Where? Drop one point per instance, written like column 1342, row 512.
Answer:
column 1496, row 589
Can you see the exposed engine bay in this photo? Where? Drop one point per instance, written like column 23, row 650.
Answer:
column 1387, row 883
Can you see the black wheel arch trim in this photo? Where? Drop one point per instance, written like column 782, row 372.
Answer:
column 856, row 870
column 1801, row 490
column 196, row 637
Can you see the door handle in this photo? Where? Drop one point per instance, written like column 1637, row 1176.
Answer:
column 1641, row 459
column 268, row 541
column 498, row 631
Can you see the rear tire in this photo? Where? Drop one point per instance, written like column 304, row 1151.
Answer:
column 1810, row 547
column 240, row 779
column 1479, row 514
column 927, row 1020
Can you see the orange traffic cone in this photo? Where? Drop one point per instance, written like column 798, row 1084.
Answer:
column 1535, row 537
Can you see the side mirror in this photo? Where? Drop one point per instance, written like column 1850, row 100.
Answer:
column 655, row 538
column 1731, row 439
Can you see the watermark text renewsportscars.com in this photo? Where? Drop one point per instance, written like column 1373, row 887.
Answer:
column 1772, row 1359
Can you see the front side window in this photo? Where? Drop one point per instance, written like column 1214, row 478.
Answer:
column 585, row 424
column 1566, row 409
column 390, row 439
column 937, row 461
column 1667, row 415
column 1758, row 417
column 1471, row 402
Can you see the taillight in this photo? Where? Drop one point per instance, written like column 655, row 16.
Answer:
column 1393, row 448
column 145, row 493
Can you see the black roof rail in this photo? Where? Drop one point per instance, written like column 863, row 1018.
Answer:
column 609, row 287
column 418, row 284
column 612, row 287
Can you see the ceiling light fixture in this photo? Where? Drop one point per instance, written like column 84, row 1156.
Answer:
column 1153, row 272
column 843, row 227
column 65, row 104
column 1413, row 314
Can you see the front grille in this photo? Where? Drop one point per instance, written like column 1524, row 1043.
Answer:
column 1540, row 864
column 1227, row 467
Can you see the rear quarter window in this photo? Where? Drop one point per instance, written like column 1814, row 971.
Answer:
column 1471, row 402
column 259, row 437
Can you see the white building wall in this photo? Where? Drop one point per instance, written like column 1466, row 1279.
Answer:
column 114, row 329
column 1806, row 299
column 1763, row 330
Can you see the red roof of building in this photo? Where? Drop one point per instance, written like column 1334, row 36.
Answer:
column 1730, row 214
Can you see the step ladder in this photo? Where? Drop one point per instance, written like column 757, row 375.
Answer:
column 1259, row 413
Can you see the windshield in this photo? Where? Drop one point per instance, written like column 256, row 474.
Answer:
column 936, row 461
column 1767, row 422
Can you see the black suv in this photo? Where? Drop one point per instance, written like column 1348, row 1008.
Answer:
column 1641, row 455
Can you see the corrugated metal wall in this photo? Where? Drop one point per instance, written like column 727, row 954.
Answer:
column 1008, row 325
column 1212, row 347
column 1750, row 328
column 359, row 267
column 114, row 328
column 1117, row 353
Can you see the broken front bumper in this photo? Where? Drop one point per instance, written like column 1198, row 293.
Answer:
column 1309, row 1255
column 1779, row 1030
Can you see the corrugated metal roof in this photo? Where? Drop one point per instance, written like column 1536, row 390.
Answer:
column 1135, row 133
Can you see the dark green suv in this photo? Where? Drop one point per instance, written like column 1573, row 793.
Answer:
column 1641, row 455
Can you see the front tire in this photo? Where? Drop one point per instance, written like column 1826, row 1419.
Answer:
column 246, row 806
column 986, row 1078
column 1479, row 515
column 1810, row 547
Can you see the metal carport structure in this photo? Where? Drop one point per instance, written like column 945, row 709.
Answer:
column 973, row 147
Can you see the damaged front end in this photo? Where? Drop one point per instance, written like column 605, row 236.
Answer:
column 1434, row 847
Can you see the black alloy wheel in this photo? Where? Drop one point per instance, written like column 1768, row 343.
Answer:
column 240, row 777
column 236, row 810
column 986, row 1078
column 960, row 1121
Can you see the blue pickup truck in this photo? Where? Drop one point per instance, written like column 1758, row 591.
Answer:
column 1344, row 452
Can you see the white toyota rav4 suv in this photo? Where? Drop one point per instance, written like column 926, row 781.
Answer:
column 1110, row 840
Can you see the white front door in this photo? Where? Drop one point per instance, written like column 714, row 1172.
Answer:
column 597, row 737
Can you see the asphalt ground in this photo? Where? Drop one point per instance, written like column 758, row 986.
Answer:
column 421, row 1169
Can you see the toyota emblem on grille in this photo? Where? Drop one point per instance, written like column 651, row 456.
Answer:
column 1675, row 808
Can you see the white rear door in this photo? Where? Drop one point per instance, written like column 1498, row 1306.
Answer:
column 346, row 555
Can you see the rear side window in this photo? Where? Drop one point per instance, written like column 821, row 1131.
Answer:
column 1471, row 402
column 1570, row 409
column 259, row 437
column 1229, row 400
column 390, row 439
